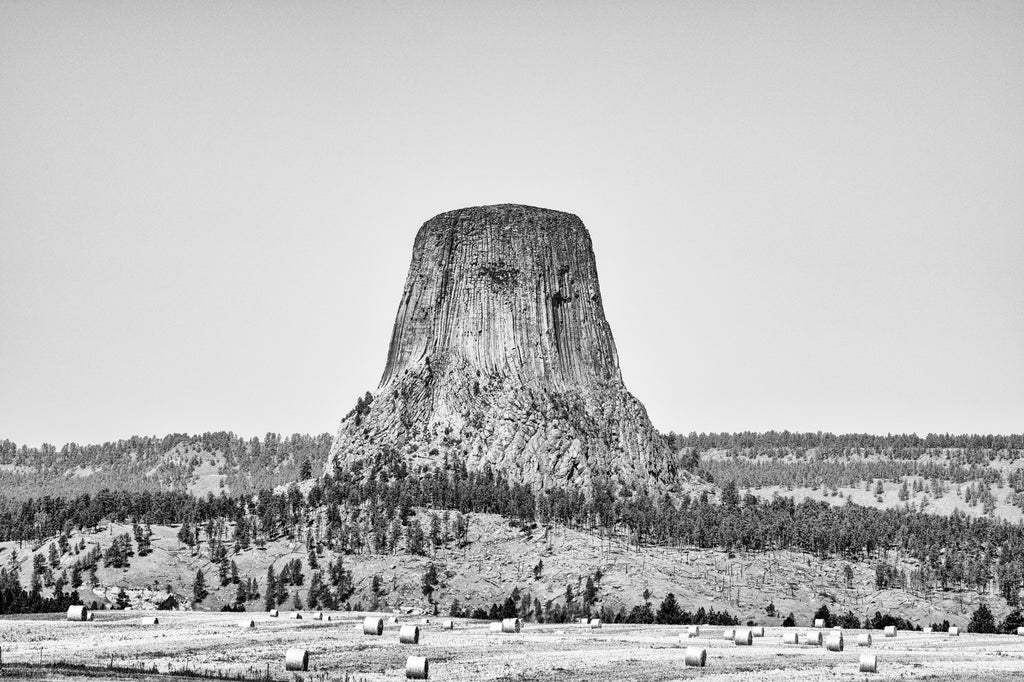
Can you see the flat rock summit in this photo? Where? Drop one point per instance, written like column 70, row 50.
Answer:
column 501, row 355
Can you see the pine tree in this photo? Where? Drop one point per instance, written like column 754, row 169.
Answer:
column 241, row 594
column 730, row 495
column 414, row 537
column 185, row 535
column 315, row 587
column 241, row 535
column 271, row 589
column 223, row 572
column 824, row 614
column 982, row 620
column 429, row 581
column 590, row 592
column 199, row 591
column 435, row 530
column 375, row 589
column 281, row 593
column 298, row 577
column 669, row 612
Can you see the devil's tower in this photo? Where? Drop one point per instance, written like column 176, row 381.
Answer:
column 501, row 355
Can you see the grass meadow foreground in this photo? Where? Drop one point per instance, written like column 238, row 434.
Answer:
column 124, row 645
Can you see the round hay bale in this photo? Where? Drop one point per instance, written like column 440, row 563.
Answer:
column 1020, row 631
column 373, row 626
column 696, row 657
column 819, row 622
column 595, row 623
column 926, row 631
column 728, row 634
column 247, row 624
column 273, row 613
column 409, row 634
column 834, row 642
column 511, row 625
column 584, row 621
column 868, row 663
column 153, row 621
column 812, row 638
column 693, row 631
column 744, row 637
column 417, row 668
column 319, row 615
column 393, row 620
column 327, row 618
column 296, row 616
column 790, row 638
column 758, row 631
column 92, row 616
column 78, row 612
column 495, row 627
column 296, row 659
column 890, row 630
column 953, row 631
column 864, row 639
column 448, row 624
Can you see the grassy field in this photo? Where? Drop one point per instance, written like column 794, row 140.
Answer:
column 122, row 646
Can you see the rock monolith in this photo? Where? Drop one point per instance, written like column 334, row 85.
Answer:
column 501, row 355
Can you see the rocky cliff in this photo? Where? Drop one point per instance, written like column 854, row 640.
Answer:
column 501, row 355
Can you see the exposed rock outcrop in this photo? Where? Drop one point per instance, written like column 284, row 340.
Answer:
column 501, row 355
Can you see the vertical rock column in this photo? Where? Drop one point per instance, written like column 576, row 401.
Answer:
column 501, row 355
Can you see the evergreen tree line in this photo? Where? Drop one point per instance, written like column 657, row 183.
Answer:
column 522, row 605
column 368, row 508
column 16, row 599
column 830, row 442
column 846, row 473
column 154, row 463
column 157, row 463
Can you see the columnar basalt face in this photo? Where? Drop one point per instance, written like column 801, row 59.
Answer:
column 501, row 355
column 510, row 289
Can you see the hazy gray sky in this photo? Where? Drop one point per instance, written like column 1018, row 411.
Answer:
column 806, row 215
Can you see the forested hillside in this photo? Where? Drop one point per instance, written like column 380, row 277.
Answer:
column 211, row 462
column 939, row 473
column 370, row 508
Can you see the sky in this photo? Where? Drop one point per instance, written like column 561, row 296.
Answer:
column 806, row 215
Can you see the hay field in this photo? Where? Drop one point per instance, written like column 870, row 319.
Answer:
column 214, row 644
